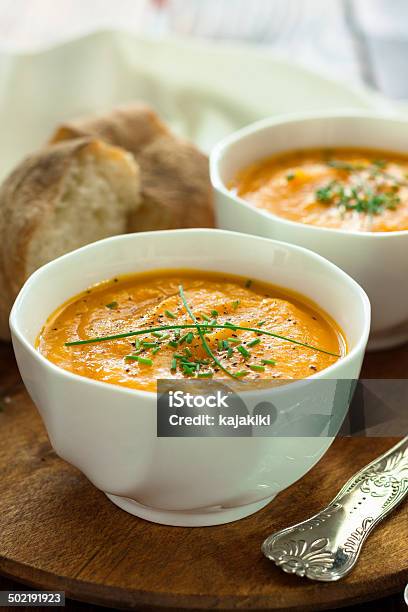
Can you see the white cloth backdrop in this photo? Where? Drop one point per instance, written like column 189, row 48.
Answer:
column 348, row 39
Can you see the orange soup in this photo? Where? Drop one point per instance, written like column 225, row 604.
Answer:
column 351, row 189
column 178, row 324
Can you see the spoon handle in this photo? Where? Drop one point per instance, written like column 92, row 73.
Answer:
column 326, row 546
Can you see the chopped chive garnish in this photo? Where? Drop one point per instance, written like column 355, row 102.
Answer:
column 342, row 165
column 156, row 350
column 183, row 338
column 201, row 334
column 268, row 361
column 235, row 304
column 214, row 313
column 257, row 368
column 261, row 323
column 204, row 317
column 230, row 352
column 380, row 163
column 137, row 343
column 254, row 342
column 157, row 334
column 173, row 366
column 212, row 322
column 188, row 369
column 169, row 314
column 149, row 344
column 142, row 360
column 112, row 305
column 145, row 361
column 243, row 351
column 190, row 338
column 236, row 340
column 205, row 375
column 225, row 344
column 173, row 344
column 187, row 352
column 220, row 345
column 241, row 373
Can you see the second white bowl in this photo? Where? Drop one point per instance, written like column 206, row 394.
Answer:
column 377, row 261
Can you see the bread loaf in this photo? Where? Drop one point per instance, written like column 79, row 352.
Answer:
column 58, row 199
column 175, row 184
column 98, row 176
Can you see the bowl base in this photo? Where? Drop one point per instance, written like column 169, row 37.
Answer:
column 188, row 518
column 389, row 339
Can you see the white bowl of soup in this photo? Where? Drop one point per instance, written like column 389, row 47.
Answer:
column 333, row 183
column 270, row 312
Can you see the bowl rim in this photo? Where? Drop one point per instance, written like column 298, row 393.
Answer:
column 222, row 147
column 19, row 334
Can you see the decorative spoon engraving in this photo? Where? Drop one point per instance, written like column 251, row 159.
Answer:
column 326, row 546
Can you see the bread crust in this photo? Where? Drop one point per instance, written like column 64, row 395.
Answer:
column 27, row 195
column 175, row 183
column 131, row 126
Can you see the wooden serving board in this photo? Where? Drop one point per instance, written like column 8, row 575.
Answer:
column 57, row 531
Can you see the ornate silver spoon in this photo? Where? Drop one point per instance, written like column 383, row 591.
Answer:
column 327, row 545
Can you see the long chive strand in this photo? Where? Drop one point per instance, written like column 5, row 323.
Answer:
column 196, row 326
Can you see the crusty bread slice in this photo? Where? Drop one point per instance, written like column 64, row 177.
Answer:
column 58, row 199
column 175, row 183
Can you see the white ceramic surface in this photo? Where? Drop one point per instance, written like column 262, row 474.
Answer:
column 377, row 261
column 109, row 432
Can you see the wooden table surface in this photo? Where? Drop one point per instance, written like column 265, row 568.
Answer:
column 58, row 531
